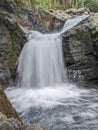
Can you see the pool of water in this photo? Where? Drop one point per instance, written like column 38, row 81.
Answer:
column 64, row 107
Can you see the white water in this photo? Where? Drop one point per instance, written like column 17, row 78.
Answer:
column 73, row 22
column 46, row 97
column 41, row 62
column 65, row 107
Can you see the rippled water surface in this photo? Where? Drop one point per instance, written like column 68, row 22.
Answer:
column 63, row 107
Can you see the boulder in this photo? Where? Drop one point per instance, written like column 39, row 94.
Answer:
column 6, row 107
column 14, row 124
column 9, row 123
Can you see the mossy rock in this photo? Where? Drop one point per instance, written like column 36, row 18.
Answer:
column 94, row 34
column 83, row 35
column 12, row 40
column 6, row 107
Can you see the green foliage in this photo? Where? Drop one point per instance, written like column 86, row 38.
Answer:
column 92, row 5
column 62, row 4
column 65, row 4
column 46, row 4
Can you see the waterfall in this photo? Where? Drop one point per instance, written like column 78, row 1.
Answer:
column 55, row 104
column 41, row 60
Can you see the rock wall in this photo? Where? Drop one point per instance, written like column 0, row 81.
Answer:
column 11, row 42
column 80, row 53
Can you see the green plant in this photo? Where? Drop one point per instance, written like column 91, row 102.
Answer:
column 62, row 4
column 92, row 5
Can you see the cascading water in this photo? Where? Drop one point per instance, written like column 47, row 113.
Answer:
column 41, row 60
column 42, row 96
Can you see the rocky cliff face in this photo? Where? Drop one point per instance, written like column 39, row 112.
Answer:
column 11, row 40
column 80, row 52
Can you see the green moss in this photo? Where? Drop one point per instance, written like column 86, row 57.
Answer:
column 94, row 31
column 17, row 39
column 83, row 35
column 9, row 52
column 19, row 7
column 88, row 35
column 94, row 34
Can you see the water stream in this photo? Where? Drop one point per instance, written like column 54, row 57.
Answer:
column 44, row 96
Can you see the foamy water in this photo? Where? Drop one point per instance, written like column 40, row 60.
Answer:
column 46, row 97
column 64, row 107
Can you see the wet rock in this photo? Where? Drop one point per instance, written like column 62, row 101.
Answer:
column 14, row 124
column 11, row 40
column 6, row 107
column 9, row 123
column 31, row 127
column 80, row 54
